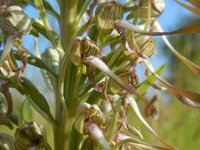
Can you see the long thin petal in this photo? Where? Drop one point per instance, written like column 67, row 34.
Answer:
column 194, row 10
column 185, row 96
column 98, row 63
column 194, row 28
column 195, row 68
column 139, row 115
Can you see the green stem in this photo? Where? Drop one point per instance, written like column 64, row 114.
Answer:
column 148, row 15
column 68, row 29
column 61, row 111
column 68, row 24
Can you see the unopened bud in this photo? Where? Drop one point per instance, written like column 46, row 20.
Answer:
column 128, row 77
column 93, row 115
column 106, row 15
column 157, row 7
column 13, row 20
column 83, row 48
column 31, row 135
column 51, row 58
column 141, row 43
column 89, row 48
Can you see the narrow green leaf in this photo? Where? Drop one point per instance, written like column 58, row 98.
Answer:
column 40, row 7
column 139, row 115
column 150, row 80
column 194, row 10
column 49, row 34
column 21, row 114
column 34, row 61
column 39, row 101
column 82, row 6
column 47, row 6
column 14, row 117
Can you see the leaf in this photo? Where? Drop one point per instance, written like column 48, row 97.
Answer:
column 195, row 11
column 47, row 6
column 21, row 114
column 37, row 100
column 14, row 117
column 151, row 79
column 42, row 11
column 139, row 115
column 34, row 61
column 49, row 34
column 194, row 28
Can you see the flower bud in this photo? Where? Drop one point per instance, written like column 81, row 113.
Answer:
column 31, row 135
column 51, row 58
column 83, row 48
column 126, row 76
column 92, row 114
column 88, row 48
column 13, row 20
column 157, row 7
column 144, row 44
column 95, row 115
column 106, row 15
